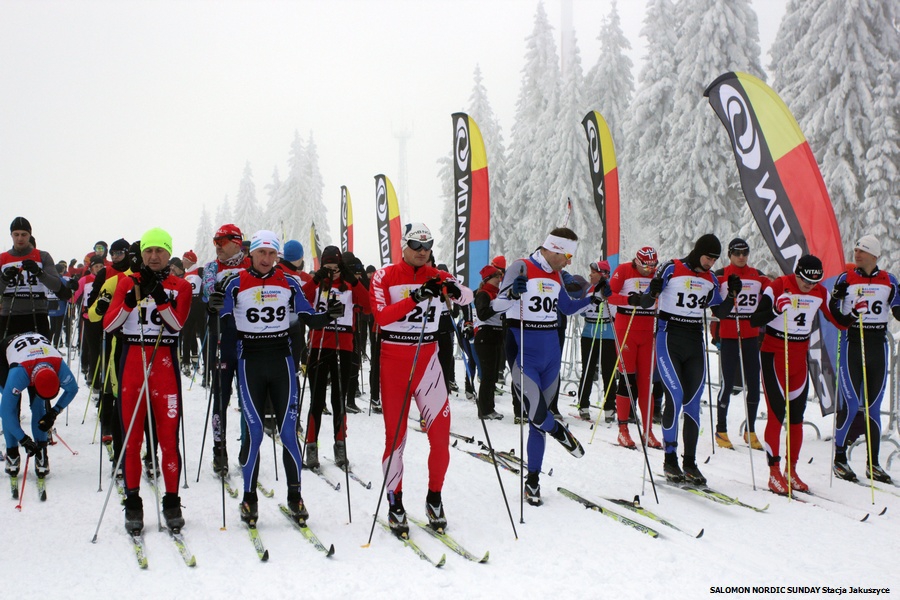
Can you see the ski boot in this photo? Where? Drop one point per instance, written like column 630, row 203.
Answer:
column 340, row 455
column 752, row 440
column 624, row 438
column 434, row 510
column 609, row 416
column 796, row 483
column 692, row 474
column 453, row 387
column 777, row 482
column 533, row 489
column 671, row 469
column 562, row 435
column 375, row 404
column 134, row 514
column 584, row 413
column 220, row 460
column 13, row 462
column 878, row 474
column 149, row 471
column 41, row 461
column 299, row 514
column 652, row 442
column 171, row 505
column 312, row 455
column 352, row 408
column 250, row 509
column 397, row 515
column 722, row 440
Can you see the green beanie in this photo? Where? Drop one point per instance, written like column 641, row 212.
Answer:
column 156, row 237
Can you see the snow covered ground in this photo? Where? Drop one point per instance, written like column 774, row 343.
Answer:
column 562, row 549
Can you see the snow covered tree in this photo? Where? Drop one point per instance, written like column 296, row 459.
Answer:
column 528, row 210
column 223, row 213
column 571, row 174
column 443, row 243
column 246, row 208
column 203, row 239
column 880, row 207
column 610, row 83
column 297, row 202
column 648, row 129
column 272, row 220
column 705, row 197
column 313, row 199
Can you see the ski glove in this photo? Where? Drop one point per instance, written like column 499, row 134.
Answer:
column 335, row 309
column 840, row 290
column 216, row 301
column 29, row 445
column 452, row 290
column 11, row 275
column 782, row 302
column 519, row 287
column 32, row 267
column 347, row 275
column 861, row 307
column 468, row 332
column 323, row 274
column 734, row 285
column 634, row 299
column 102, row 304
column 656, row 286
column 47, row 421
column 429, row 289
column 147, row 280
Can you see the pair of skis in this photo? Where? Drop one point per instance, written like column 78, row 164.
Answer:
column 439, row 535
column 140, row 552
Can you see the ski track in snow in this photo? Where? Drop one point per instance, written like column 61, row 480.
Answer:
column 562, row 549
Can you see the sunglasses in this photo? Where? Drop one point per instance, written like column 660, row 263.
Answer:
column 99, row 248
column 221, row 241
column 740, row 253
column 649, row 265
column 117, row 253
column 417, row 245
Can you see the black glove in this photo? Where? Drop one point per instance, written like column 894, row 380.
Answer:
column 335, row 309
column 131, row 298
column 102, row 304
column 216, row 301
column 323, row 274
column 734, row 285
column 32, row 267
column 602, row 288
column 656, row 286
column 135, row 262
column 840, row 290
column 468, row 331
column 347, row 274
column 72, row 284
column 29, row 445
column 46, row 422
column 634, row 299
column 11, row 275
column 452, row 290
column 159, row 295
column 519, row 287
column 429, row 289
column 147, row 280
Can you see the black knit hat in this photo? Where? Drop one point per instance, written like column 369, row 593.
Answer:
column 707, row 245
column 738, row 244
column 809, row 268
column 331, row 255
column 120, row 245
column 20, row 224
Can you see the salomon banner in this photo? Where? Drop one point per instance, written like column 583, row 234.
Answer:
column 472, row 231
column 314, row 247
column 786, row 194
column 387, row 212
column 605, row 182
column 346, row 221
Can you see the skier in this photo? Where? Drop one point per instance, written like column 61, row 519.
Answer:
column 734, row 330
column 221, row 345
column 532, row 300
column 194, row 329
column 259, row 299
column 634, row 325
column 29, row 361
column 331, row 352
column 788, row 308
column 488, row 340
column 862, row 297
column 150, row 307
column 685, row 288
column 597, row 344
column 404, row 299
column 291, row 263
column 26, row 274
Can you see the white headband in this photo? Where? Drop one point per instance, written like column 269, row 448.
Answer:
column 554, row 243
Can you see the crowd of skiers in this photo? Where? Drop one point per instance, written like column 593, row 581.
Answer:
column 143, row 319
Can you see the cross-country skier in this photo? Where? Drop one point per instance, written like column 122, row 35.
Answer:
column 685, row 288
column 734, row 330
column 29, row 361
column 597, row 344
column 260, row 299
column 865, row 296
column 533, row 297
column 150, row 307
column 788, row 308
column 488, row 341
column 406, row 300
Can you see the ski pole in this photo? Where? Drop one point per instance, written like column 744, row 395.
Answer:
column 69, row 448
column 787, row 406
column 343, row 419
column 740, row 342
column 487, row 436
column 210, row 398
column 590, row 356
column 403, row 409
column 862, row 349
column 615, row 369
column 24, row 477
column 712, row 429
column 151, row 446
column 521, row 402
column 837, row 401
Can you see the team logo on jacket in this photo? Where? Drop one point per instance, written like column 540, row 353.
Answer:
column 546, row 286
column 263, row 295
column 693, row 285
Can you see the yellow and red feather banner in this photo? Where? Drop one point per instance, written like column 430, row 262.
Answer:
column 314, row 246
column 605, row 182
column 387, row 213
column 346, row 221
column 786, row 193
column 472, row 199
